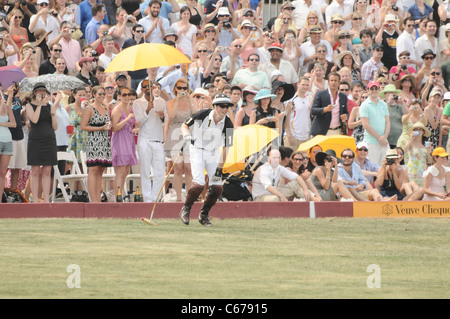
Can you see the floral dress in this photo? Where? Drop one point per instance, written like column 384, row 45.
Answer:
column 434, row 135
column 77, row 141
column 417, row 164
column 98, row 143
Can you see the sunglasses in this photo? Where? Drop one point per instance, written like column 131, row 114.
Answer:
column 374, row 88
column 436, row 73
column 210, row 31
column 238, row 46
column 410, row 25
column 321, row 51
column 348, row 156
column 218, row 60
column 363, row 149
column 363, row 97
column 126, row 94
column 44, row 4
column 344, row 37
column 17, row 18
column 140, row 31
column 380, row 50
column 254, row 60
column 298, row 159
column 109, row 88
column 344, row 90
column 404, row 57
column 184, row 88
column 102, row 93
column 356, row 19
column 144, row 86
column 429, row 58
column 200, row 51
column 383, row 83
column 199, row 97
column 57, row 50
column 223, row 106
column 337, row 22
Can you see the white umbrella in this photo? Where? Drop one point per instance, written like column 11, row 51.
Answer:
column 53, row 82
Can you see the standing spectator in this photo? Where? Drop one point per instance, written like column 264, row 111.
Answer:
column 49, row 66
column 264, row 114
column 310, row 50
column 345, row 9
column 212, row 10
column 150, row 112
column 226, row 32
column 132, row 7
column 41, row 154
column 344, row 87
column 186, row 32
column 321, row 50
column 446, row 121
column 96, row 123
column 349, row 60
column 277, row 63
column 178, row 110
column 44, row 20
column 153, row 24
column 370, row 68
column 437, row 177
column 417, row 153
column 71, row 49
column 433, row 114
column 249, row 41
column 106, row 57
column 375, row 119
column 83, row 15
column 365, row 50
column 419, row 10
column 7, row 50
column 248, row 104
column 424, row 73
column 27, row 60
column 251, row 75
column 298, row 121
column 397, row 108
column 98, row 15
column 122, row 140
column 233, row 61
column 137, row 38
column 405, row 42
column 302, row 10
column 329, row 108
column 77, row 140
column 387, row 36
column 17, row 32
column 121, row 31
column 428, row 41
column 85, row 73
column 7, row 120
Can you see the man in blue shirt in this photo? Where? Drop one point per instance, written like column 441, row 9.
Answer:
column 353, row 178
column 98, row 14
column 83, row 15
column 138, row 37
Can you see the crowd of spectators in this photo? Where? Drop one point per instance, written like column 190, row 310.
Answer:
column 378, row 71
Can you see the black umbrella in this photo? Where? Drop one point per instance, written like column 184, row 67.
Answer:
column 289, row 90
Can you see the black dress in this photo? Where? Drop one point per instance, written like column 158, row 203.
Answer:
column 42, row 140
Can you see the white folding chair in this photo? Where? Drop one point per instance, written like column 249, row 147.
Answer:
column 75, row 175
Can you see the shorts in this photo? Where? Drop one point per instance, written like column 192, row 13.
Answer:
column 6, row 148
column 19, row 158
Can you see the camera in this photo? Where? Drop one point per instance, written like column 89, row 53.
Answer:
column 182, row 93
column 390, row 161
column 253, row 29
column 54, row 13
column 105, row 33
column 394, row 7
column 403, row 67
column 129, row 17
column 226, row 24
column 395, row 97
column 285, row 21
column 23, row 3
column 329, row 158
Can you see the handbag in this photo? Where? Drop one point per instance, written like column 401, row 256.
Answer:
column 80, row 196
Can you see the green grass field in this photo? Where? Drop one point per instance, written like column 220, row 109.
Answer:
column 237, row 258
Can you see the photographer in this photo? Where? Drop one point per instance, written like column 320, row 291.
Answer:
column 43, row 19
column 392, row 179
column 226, row 32
column 398, row 71
column 387, row 36
column 397, row 108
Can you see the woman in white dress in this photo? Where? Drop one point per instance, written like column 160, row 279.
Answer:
column 186, row 31
column 437, row 177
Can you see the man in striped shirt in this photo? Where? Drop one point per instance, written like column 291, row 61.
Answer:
column 370, row 68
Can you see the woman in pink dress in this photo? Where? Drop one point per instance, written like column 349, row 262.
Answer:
column 122, row 142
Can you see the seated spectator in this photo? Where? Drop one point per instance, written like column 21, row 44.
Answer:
column 437, row 177
column 369, row 169
column 353, row 178
column 312, row 157
column 325, row 178
column 393, row 180
column 267, row 177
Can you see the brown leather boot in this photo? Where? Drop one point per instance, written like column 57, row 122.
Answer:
column 212, row 196
column 192, row 195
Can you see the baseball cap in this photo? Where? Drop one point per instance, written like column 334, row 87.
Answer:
column 42, row 1
column 120, row 75
column 275, row 45
column 362, row 144
column 439, row 151
column 447, row 96
column 84, row 60
column 373, row 83
column 377, row 46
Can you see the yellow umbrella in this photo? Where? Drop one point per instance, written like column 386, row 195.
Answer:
column 146, row 55
column 338, row 143
column 247, row 140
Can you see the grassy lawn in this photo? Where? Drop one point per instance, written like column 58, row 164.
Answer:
column 237, row 258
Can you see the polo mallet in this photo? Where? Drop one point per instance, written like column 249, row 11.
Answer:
column 149, row 221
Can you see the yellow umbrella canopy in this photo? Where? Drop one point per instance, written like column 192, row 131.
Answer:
column 338, row 143
column 247, row 140
column 146, row 55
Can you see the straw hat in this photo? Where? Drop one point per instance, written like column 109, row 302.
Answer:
column 421, row 126
column 341, row 56
column 200, row 91
column 40, row 35
column 392, row 153
column 336, row 17
column 410, row 77
column 340, row 34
